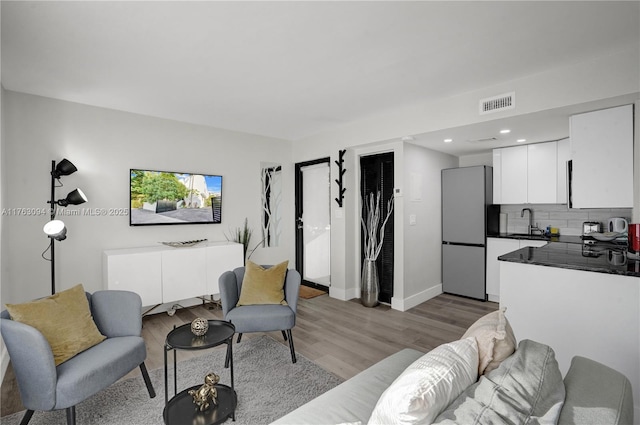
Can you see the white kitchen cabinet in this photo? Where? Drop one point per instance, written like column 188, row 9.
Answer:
column 602, row 158
column 530, row 174
column 513, row 174
column 162, row 274
column 563, row 155
column 542, row 170
column 497, row 176
column 495, row 248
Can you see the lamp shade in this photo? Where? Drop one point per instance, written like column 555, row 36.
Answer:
column 64, row 168
column 55, row 229
column 76, row 197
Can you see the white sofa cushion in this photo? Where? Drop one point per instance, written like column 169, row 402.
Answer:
column 495, row 338
column 429, row 385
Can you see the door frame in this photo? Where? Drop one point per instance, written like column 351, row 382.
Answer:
column 299, row 245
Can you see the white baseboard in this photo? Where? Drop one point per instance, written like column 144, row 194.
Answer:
column 396, row 303
column 493, row 298
column 417, row 299
column 343, row 294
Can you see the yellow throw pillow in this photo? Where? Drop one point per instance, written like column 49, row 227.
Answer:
column 263, row 286
column 64, row 319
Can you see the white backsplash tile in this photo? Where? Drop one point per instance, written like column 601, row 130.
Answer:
column 569, row 221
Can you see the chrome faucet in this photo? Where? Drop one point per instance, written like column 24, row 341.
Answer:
column 530, row 227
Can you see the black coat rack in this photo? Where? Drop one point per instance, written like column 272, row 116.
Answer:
column 341, row 171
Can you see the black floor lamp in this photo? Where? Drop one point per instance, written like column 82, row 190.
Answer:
column 55, row 229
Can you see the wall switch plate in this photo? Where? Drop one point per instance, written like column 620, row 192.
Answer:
column 397, row 192
column 412, row 220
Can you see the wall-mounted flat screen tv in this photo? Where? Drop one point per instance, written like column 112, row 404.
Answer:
column 161, row 197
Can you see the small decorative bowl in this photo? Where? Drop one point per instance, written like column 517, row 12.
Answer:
column 199, row 326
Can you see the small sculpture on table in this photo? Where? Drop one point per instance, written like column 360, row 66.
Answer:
column 199, row 326
column 207, row 394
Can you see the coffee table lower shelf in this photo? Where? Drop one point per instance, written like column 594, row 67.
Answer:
column 181, row 410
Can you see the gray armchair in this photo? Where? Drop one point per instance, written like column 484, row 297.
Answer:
column 43, row 386
column 263, row 317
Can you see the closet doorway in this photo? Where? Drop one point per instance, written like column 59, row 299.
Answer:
column 376, row 174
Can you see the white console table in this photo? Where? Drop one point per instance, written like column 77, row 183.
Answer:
column 163, row 274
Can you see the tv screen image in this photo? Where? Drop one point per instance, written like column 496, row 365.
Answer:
column 161, row 197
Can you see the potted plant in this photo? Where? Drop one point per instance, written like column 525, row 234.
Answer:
column 241, row 235
column 373, row 241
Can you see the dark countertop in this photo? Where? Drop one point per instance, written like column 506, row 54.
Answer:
column 519, row 236
column 569, row 252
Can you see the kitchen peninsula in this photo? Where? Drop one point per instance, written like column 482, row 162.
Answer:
column 580, row 299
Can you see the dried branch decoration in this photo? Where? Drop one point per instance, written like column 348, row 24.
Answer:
column 370, row 220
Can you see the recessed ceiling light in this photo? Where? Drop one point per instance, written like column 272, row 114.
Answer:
column 448, row 140
column 521, row 140
column 407, row 138
column 505, row 131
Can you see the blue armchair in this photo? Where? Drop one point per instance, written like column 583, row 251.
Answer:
column 263, row 317
column 43, row 386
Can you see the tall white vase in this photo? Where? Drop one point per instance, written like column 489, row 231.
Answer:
column 370, row 286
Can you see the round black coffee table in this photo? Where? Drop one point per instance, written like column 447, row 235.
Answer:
column 181, row 409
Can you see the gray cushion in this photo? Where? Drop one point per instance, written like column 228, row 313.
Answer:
column 527, row 388
column 90, row 372
column 596, row 394
column 262, row 318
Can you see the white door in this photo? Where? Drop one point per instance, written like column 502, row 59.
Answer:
column 313, row 205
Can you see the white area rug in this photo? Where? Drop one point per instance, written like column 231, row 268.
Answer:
column 267, row 383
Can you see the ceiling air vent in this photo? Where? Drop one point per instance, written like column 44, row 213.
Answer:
column 485, row 139
column 498, row 103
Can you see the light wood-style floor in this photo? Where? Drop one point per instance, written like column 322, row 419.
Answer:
column 341, row 336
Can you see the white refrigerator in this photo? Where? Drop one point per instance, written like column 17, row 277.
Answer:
column 467, row 217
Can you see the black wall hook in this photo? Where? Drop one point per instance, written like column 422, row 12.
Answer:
column 341, row 171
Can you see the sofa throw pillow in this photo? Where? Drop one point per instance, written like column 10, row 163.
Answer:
column 495, row 338
column 527, row 388
column 428, row 385
column 263, row 286
column 64, row 319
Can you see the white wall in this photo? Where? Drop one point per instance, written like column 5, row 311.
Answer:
column 477, row 159
column 422, row 240
column 104, row 144
column 4, row 356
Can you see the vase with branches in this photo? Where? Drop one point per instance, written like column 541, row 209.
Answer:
column 373, row 241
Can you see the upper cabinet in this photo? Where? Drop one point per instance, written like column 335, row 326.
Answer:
column 511, row 186
column 563, row 156
column 542, row 172
column 530, row 174
column 602, row 158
